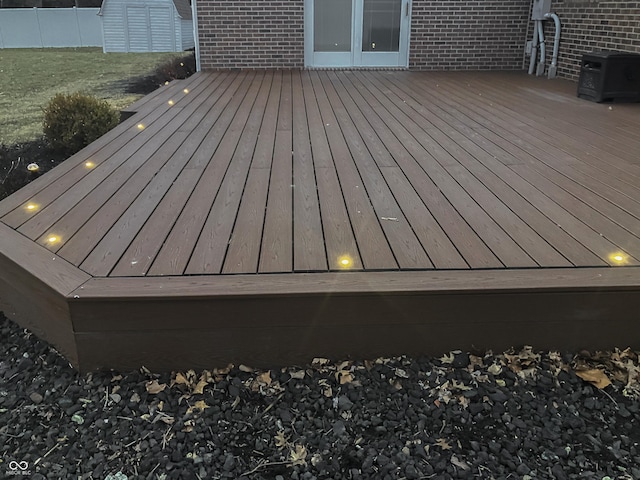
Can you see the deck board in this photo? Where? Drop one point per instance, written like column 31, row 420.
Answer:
column 333, row 213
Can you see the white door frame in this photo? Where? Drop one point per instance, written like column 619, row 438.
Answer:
column 357, row 58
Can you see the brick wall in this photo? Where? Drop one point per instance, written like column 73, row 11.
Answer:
column 251, row 33
column 468, row 34
column 445, row 34
column 590, row 25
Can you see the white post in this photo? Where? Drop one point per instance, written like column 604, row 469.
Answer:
column 194, row 15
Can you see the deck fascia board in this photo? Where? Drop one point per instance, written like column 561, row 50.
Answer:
column 348, row 283
column 39, row 262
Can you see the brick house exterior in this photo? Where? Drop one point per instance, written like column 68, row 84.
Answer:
column 444, row 35
column 590, row 25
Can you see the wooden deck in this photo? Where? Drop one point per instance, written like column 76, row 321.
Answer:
column 268, row 217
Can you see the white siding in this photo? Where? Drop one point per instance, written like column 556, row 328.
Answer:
column 163, row 38
column 187, row 34
column 145, row 26
column 113, row 26
column 138, row 29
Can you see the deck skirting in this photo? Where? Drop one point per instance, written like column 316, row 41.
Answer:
column 269, row 217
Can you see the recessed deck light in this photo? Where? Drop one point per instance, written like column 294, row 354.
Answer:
column 89, row 164
column 345, row 261
column 619, row 258
column 31, row 207
column 140, row 126
column 186, row 90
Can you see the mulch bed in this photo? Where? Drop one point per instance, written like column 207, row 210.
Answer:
column 518, row 414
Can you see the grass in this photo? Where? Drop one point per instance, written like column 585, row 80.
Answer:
column 29, row 78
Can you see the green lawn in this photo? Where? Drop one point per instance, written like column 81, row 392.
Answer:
column 29, row 78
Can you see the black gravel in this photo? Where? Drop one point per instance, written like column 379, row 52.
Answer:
column 521, row 414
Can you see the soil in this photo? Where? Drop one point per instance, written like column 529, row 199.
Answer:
column 14, row 160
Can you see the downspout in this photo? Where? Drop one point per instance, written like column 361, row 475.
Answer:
column 196, row 37
column 541, row 65
column 556, row 45
column 534, row 48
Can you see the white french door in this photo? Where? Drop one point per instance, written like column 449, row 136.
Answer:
column 357, row 33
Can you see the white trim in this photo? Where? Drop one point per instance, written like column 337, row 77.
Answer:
column 196, row 37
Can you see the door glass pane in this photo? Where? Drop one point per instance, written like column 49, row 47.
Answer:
column 332, row 25
column 381, row 25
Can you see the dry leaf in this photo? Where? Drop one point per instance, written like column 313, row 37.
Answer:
column 188, row 426
column 595, row 376
column 153, row 387
column 180, row 379
column 344, row 376
column 319, row 362
column 401, row 373
column 199, row 406
column 344, row 365
column 265, row 378
column 298, row 455
column 281, row 440
column 246, row 369
column 443, row 444
column 448, row 358
column 199, row 388
column 459, row 463
column 298, row 374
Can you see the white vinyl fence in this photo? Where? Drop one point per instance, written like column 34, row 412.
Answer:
column 50, row 27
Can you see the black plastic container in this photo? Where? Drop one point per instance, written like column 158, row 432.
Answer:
column 610, row 76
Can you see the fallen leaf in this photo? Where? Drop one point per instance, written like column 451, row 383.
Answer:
column 246, row 369
column 281, row 440
column 443, row 444
column 459, row 463
column 188, row 426
column 448, row 358
column 199, row 406
column 265, row 378
column 595, row 376
column 401, row 373
column 199, row 388
column 180, row 379
column 344, row 365
column 153, row 387
column 298, row 455
column 344, row 376
column 319, row 362
column 298, row 374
